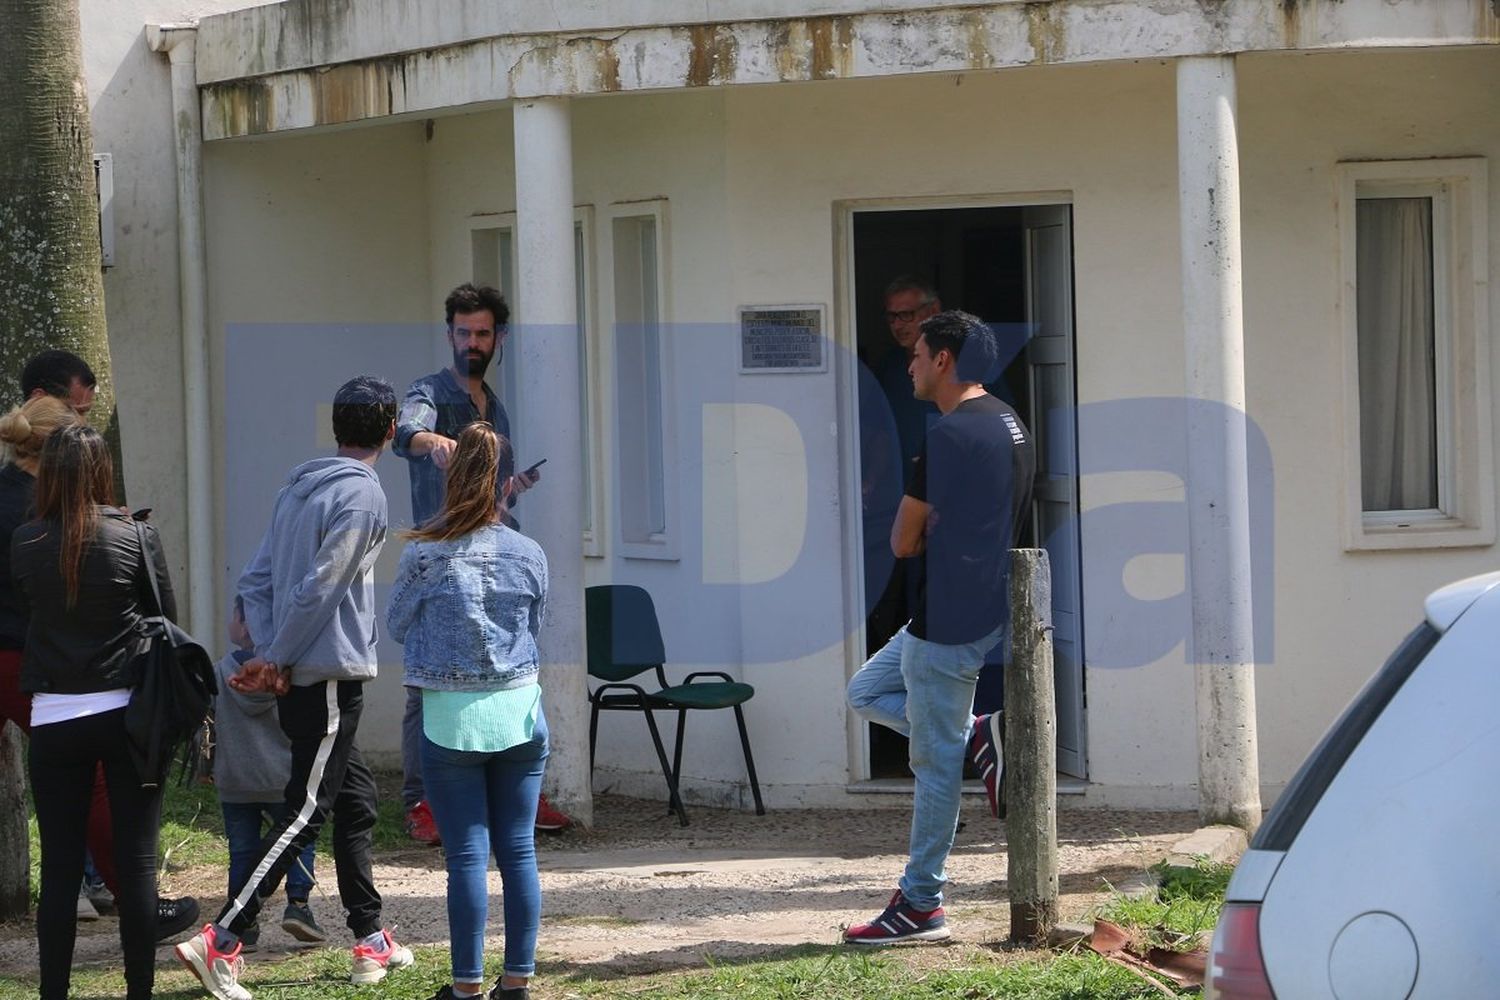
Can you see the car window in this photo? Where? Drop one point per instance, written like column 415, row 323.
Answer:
column 1285, row 820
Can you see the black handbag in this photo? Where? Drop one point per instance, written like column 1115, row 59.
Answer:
column 174, row 689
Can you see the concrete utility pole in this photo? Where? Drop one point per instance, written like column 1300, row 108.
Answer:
column 547, row 343
column 1031, row 750
column 1218, row 480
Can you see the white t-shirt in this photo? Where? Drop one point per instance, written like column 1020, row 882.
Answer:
column 50, row 708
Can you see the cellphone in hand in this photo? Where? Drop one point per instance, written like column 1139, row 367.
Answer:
column 142, row 514
column 538, row 465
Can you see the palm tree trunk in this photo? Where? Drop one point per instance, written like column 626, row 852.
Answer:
column 51, row 286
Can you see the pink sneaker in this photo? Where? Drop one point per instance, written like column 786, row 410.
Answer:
column 218, row 971
column 371, row 964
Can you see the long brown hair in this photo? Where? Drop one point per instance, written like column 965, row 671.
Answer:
column 74, row 476
column 478, row 477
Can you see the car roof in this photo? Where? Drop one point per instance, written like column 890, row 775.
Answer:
column 1446, row 604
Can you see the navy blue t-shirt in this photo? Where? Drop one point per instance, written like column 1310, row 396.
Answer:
column 975, row 470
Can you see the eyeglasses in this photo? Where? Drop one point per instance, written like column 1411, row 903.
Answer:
column 905, row 315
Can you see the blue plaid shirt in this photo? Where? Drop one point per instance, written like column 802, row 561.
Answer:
column 438, row 403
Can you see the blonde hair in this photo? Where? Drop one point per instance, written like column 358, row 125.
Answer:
column 478, row 478
column 26, row 427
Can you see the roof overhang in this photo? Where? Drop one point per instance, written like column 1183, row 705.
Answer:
column 316, row 63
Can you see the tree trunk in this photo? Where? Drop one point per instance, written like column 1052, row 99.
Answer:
column 15, row 861
column 51, row 286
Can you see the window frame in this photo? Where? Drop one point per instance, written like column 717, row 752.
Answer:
column 510, row 389
column 666, row 544
column 594, row 534
column 1463, row 408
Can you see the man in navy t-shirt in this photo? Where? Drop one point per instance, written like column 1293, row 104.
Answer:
column 961, row 514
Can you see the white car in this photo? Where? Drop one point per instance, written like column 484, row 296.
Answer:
column 1377, row 874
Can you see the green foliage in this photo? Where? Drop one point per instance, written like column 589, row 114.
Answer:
column 1185, row 905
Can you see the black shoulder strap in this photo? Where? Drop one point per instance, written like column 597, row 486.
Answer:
column 140, row 533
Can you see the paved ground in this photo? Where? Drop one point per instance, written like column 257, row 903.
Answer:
column 640, row 893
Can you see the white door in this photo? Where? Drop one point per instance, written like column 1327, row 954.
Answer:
column 1049, row 311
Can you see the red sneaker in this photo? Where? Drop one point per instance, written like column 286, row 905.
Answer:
column 900, row 923
column 549, row 818
column 420, row 825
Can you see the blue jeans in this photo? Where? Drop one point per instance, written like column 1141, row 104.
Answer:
column 245, row 824
column 484, row 803
column 925, row 691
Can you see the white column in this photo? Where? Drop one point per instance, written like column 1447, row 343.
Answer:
column 180, row 44
column 1217, row 479
column 547, row 343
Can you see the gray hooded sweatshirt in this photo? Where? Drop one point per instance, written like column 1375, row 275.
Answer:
column 309, row 591
column 254, row 758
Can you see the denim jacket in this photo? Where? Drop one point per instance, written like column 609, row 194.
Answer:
column 438, row 403
column 468, row 611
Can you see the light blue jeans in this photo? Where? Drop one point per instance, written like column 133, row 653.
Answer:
column 925, row 691
column 485, row 803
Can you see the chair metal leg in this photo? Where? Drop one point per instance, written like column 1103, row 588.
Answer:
column 739, row 718
column 677, row 750
column 593, row 735
column 675, row 800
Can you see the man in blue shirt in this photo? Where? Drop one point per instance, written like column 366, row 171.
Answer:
column 436, row 408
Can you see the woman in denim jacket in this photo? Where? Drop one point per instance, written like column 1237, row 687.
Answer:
column 467, row 604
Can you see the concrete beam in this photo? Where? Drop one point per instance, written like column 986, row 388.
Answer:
column 310, row 63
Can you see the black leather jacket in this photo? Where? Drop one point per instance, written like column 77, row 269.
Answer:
column 92, row 645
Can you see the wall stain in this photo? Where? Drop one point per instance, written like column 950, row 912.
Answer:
column 713, row 55
column 976, row 30
column 1048, row 37
column 832, row 47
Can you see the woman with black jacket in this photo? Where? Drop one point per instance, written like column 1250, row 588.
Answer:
column 79, row 571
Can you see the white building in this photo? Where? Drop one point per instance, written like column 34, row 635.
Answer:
column 359, row 159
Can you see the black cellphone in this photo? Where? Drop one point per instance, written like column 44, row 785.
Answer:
column 534, row 467
column 142, row 514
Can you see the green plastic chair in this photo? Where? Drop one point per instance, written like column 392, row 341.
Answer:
column 624, row 640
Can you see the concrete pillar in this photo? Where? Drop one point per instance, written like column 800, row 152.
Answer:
column 1217, row 481
column 547, row 345
column 180, row 42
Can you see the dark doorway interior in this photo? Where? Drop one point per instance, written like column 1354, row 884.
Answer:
column 976, row 260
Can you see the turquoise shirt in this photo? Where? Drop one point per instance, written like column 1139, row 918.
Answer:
column 483, row 721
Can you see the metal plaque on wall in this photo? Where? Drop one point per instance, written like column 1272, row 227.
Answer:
column 775, row 339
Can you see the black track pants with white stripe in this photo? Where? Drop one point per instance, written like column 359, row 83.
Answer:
column 329, row 778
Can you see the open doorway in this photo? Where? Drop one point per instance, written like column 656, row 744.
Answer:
column 1011, row 266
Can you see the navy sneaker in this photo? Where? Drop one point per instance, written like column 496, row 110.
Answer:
column 900, row 923
column 988, row 758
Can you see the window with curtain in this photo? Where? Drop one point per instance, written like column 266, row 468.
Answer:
column 638, row 369
column 1414, row 273
column 1398, row 354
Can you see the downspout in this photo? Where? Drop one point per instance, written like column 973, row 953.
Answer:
column 179, row 42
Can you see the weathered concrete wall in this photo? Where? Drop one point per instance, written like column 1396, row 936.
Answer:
column 131, row 107
column 752, row 176
column 309, row 64
column 317, row 272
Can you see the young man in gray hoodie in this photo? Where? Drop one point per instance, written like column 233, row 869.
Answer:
column 309, row 600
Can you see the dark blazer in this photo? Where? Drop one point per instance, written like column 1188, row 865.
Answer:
column 90, row 646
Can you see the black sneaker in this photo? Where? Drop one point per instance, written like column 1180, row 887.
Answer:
column 510, row 993
column 250, row 938
column 297, row 920
column 173, row 916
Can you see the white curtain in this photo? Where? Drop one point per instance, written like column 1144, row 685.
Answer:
column 1397, row 391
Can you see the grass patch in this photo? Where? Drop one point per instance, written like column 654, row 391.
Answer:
column 1185, row 905
column 808, row 973
column 192, row 828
